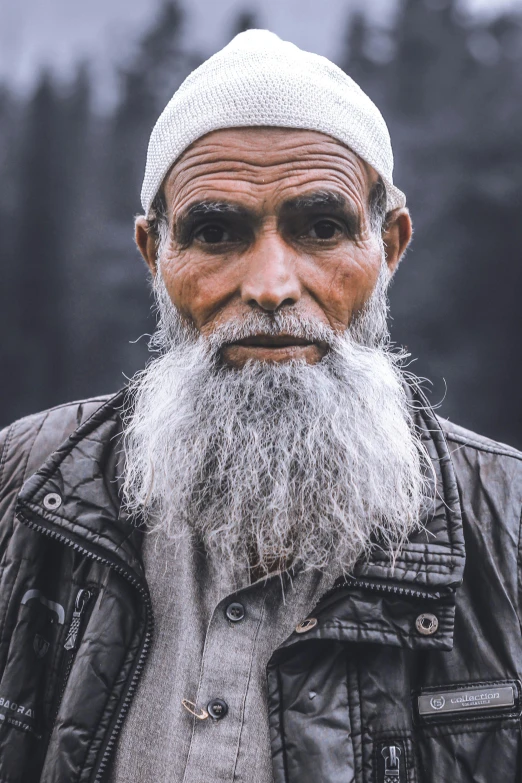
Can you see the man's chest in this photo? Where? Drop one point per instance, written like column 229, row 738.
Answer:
column 212, row 644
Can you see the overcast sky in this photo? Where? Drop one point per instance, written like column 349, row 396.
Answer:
column 58, row 33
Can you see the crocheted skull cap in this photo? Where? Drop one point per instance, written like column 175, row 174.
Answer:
column 260, row 80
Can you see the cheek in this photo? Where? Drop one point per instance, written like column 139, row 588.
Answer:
column 343, row 283
column 199, row 287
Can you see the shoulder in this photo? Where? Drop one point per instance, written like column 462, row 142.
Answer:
column 472, row 440
column 27, row 442
column 489, row 478
column 482, row 464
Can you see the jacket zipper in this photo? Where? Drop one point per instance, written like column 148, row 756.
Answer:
column 81, row 603
column 378, row 587
column 149, row 627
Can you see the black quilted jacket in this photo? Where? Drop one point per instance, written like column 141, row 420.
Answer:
column 411, row 675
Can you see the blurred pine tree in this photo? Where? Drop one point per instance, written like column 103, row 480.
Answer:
column 41, row 216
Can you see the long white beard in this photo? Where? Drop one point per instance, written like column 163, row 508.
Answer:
column 275, row 462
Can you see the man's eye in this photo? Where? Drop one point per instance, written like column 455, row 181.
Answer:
column 212, row 234
column 323, row 229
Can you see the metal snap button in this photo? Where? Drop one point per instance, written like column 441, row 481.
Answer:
column 235, row 612
column 52, row 501
column 217, row 709
column 427, row 624
column 306, row 625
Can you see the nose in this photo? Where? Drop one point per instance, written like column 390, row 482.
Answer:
column 271, row 279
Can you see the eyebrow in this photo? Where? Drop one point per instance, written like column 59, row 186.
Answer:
column 319, row 200
column 324, row 200
column 208, row 208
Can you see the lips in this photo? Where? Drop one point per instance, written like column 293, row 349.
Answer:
column 272, row 341
column 272, row 348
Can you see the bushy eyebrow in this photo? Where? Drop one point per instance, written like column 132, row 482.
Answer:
column 319, row 199
column 208, row 208
column 202, row 208
column 327, row 201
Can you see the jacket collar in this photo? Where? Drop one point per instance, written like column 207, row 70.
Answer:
column 83, row 473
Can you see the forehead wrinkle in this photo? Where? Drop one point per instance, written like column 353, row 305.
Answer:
column 227, row 141
column 237, row 199
column 223, row 153
column 221, row 166
column 251, row 179
column 292, row 175
column 335, row 192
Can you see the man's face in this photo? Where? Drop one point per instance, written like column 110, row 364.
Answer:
column 271, row 219
column 288, row 461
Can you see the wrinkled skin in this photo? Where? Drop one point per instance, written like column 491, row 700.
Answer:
column 257, row 244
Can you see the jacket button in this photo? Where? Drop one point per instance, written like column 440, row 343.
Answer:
column 52, row 501
column 427, row 624
column 235, row 612
column 306, row 625
column 217, row 709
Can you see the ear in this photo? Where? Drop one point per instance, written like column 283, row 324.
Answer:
column 146, row 242
column 396, row 236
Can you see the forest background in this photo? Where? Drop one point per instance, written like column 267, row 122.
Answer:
column 74, row 297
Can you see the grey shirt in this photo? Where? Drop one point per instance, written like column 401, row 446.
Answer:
column 199, row 655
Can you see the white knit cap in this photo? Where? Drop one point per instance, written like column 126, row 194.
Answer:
column 260, row 80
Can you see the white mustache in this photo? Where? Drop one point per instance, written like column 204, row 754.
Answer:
column 287, row 323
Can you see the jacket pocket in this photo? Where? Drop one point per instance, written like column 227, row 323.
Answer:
column 33, row 654
column 36, row 625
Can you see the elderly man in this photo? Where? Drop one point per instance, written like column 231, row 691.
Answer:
column 273, row 489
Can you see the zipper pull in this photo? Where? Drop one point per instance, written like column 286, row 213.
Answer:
column 82, row 599
column 392, row 765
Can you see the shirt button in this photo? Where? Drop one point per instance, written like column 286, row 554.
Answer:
column 217, row 709
column 235, row 612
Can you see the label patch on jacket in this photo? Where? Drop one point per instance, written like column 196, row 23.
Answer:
column 20, row 716
column 483, row 697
